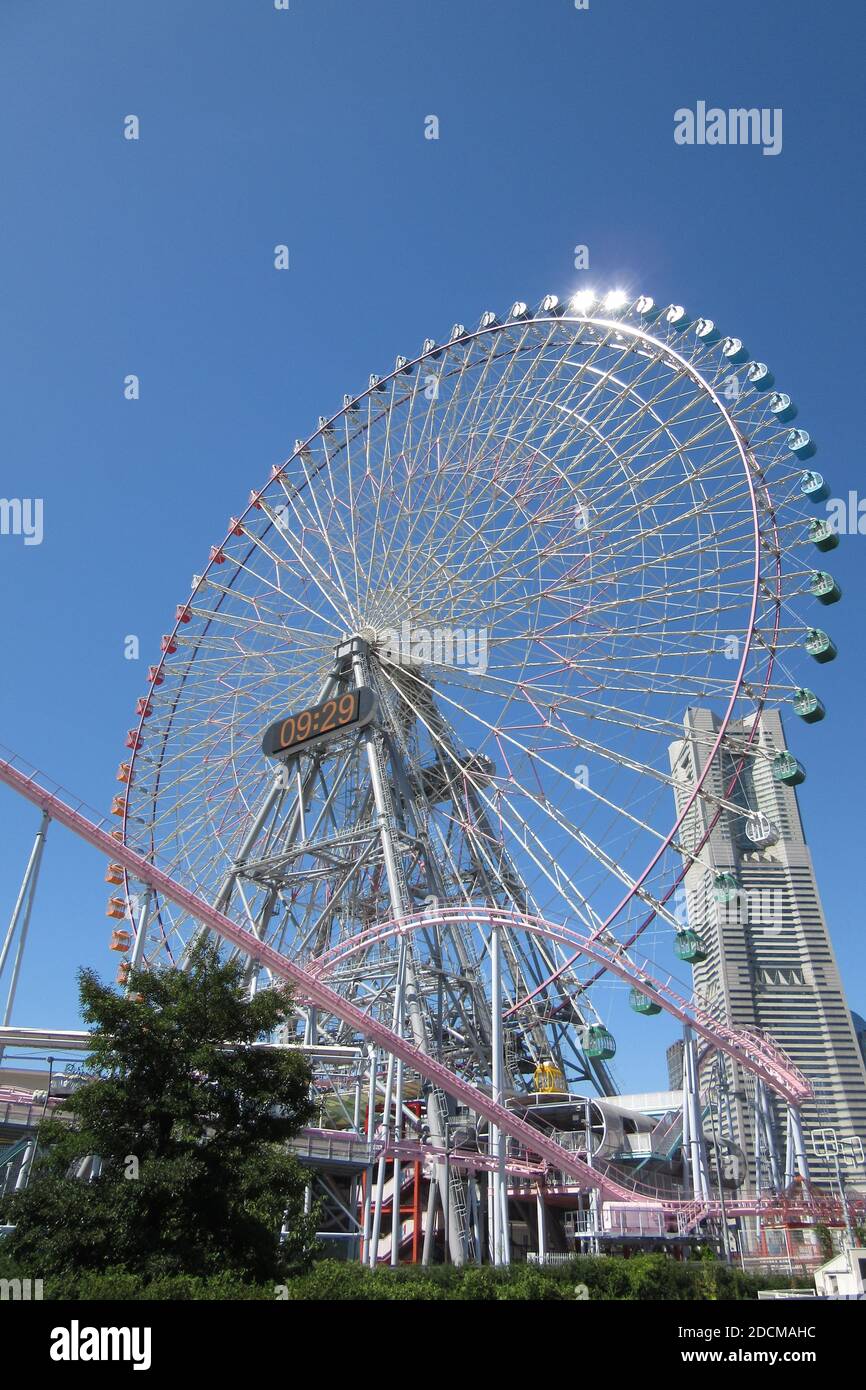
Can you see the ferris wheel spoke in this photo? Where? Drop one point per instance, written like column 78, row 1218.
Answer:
column 540, row 799
column 577, row 498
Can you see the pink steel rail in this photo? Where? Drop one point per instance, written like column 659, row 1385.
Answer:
column 753, row 1051
column 309, row 987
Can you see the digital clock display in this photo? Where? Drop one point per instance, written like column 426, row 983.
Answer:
column 332, row 716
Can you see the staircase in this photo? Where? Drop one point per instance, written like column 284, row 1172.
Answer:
column 690, row 1216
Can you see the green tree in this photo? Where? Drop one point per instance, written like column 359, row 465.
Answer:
column 190, row 1120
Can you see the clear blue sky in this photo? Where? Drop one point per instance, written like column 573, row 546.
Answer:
column 306, row 127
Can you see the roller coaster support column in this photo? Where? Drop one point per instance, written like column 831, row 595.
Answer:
column 24, row 1171
column 396, row 1205
column 766, row 1118
column 478, row 1219
column 21, row 912
column 501, row 1243
column 541, row 1222
column 140, row 935
column 692, row 1123
column 796, row 1162
column 720, row 1080
column 373, row 1059
column 429, row 1222
column 396, row 1027
column 789, row 1152
column 594, row 1207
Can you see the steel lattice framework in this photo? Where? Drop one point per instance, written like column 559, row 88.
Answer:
column 532, row 546
column 756, row 1054
column 605, row 502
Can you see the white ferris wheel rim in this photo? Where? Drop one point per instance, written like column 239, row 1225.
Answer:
column 661, row 350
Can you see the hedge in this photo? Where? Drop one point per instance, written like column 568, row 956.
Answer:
column 605, row 1278
column 608, row 1278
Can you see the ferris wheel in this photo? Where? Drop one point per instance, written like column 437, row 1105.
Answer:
column 439, row 659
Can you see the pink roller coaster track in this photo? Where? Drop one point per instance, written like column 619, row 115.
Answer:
column 752, row 1050
column 757, row 1055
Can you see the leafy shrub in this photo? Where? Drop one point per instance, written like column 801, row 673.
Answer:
column 606, row 1278
column 195, row 1175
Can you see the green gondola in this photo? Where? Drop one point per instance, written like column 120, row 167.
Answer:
column 788, row 770
column 822, row 535
column 824, row 588
column 808, row 706
column 598, row 1043
column 725, row 887
column 819, row 646
column 690, row 947
column 642, row 1004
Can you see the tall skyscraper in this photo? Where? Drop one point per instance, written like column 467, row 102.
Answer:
column 770, row 963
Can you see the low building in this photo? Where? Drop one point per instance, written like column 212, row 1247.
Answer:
column 844, row 1276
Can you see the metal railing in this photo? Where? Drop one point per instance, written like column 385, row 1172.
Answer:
column 780, row 1264
column 18, row 1113
column 335, row 1145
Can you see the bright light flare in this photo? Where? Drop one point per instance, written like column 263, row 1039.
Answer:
column 615, row 299
column 583, row 301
